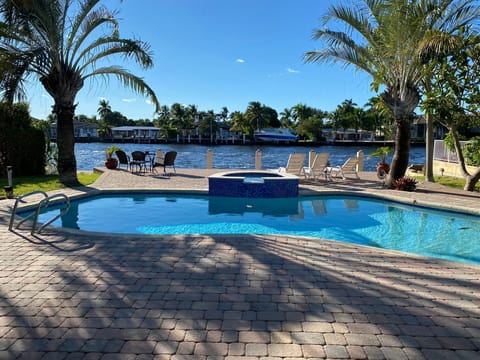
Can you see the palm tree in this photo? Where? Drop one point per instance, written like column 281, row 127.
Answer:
column 301, row 112
column 224, row 114
column 103, row 109
column 286, row 117
column 386, row 39
column 58, row 42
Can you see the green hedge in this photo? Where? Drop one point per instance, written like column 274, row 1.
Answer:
column 21, row 145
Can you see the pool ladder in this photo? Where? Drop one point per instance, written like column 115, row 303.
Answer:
column 41, row 204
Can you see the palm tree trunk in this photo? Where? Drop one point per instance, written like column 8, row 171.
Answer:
column 402, row 150
column 429, row 141
column 67, row 164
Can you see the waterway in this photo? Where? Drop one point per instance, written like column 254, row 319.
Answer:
column 90, row 155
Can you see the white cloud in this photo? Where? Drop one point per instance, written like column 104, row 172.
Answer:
column 45, row 95
column 292, row 71
column 241, row 61
column 149, row 102
column 129, row 100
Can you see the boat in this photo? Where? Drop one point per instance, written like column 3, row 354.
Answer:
column 275, row 135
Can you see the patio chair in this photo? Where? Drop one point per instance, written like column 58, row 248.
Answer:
column 139, row 160
column 318, row 168
column 123, row 158
column 168, row 160
column 349, row 167
column 295, row 164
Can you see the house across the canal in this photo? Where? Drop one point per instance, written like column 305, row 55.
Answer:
column 140, row 134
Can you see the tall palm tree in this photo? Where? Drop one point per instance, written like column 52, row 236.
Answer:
column 63, row 43
column 103, row 109
column 385, row 38
column 254, row 114
column 301, row 112
column 286, row 117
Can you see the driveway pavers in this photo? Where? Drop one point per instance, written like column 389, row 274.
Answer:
column 68, row 295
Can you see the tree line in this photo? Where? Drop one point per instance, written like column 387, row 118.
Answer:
column 305, row 120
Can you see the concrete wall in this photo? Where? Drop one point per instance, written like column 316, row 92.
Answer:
column 450, row 169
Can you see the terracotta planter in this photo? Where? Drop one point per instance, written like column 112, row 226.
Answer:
column 111, row 163
column 383, row 167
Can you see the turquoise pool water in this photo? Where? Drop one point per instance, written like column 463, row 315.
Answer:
column 358, row 220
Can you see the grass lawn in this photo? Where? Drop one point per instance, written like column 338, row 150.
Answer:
column 447, row 181
column 26, row 184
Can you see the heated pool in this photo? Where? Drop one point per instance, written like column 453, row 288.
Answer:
column 358, row 220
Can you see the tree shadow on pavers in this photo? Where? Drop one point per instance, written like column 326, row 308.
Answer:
column 63, row 242
column 157, row 294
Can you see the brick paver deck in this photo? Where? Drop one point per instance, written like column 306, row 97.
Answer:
column 81, row 296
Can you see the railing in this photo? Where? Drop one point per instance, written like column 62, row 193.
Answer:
column 41, row 204
column 442, row 153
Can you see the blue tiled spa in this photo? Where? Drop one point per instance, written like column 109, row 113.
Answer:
column 253, row 184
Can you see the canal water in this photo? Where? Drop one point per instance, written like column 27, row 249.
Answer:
column 90, row 155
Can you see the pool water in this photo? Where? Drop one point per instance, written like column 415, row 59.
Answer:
column 358, row 220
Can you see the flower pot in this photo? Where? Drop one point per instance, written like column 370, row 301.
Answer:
column 383, row 167
column 111, row 163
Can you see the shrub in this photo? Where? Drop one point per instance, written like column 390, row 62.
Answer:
column 405, row 184
column 471, row 151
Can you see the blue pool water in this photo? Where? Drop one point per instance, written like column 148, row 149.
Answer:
column 358, row 220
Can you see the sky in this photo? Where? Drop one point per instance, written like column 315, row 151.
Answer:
column 216, row 53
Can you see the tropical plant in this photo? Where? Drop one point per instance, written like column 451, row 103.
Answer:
column 382, row 153
column 405, row 184
column 64, row 43
column 110, row 150
column 387, row 40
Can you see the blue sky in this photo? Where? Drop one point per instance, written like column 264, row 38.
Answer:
column 215, row 53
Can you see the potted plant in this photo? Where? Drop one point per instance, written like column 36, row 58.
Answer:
column 382, row 153
column 111, row 162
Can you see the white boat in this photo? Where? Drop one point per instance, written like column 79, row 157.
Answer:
column 275, row 135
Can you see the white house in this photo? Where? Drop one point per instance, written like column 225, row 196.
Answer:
column 136, row 133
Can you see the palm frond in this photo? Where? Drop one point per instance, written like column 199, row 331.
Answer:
column 129, row 80
column 105, row 47
column 86, row 23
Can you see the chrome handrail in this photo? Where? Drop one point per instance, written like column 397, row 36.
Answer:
column 21, row 199
column 44, row 203
column 41, row 204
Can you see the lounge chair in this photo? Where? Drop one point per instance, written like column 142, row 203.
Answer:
column 295, row 164
column 168, row 160
column 318, row 168
column 123, row 158
column 349, row 167
column 139, row 160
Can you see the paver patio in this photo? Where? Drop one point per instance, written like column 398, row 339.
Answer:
column 68, row 295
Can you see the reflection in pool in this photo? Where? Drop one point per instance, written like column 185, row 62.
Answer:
column 357, row 220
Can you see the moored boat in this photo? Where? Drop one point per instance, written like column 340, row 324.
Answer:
column 275, row 135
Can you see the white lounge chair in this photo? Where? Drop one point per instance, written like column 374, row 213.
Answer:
column 295, row 164
column 349, row 167
column 318, row 168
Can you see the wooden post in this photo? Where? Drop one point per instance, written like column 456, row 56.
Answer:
column 360, row 156
column 209, row 159
column 258, row 159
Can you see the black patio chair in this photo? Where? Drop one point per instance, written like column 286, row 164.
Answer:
column 123, row 158
column 139, row 160
column 168, row 160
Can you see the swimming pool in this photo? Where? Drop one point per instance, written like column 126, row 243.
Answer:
column 358, row 220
